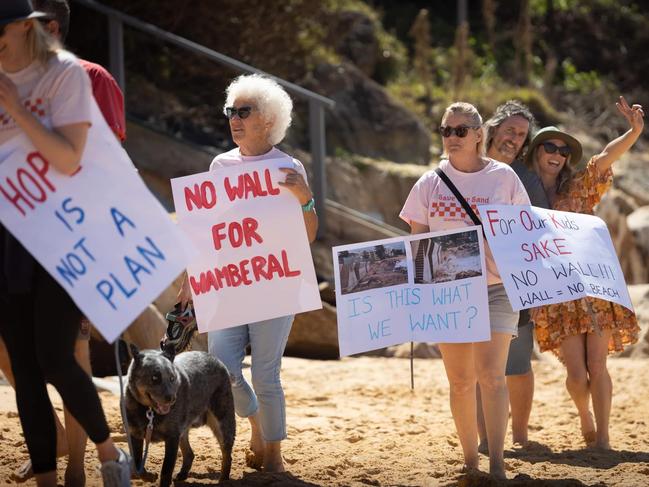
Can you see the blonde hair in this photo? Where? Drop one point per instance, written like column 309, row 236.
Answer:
column 272, row 101
column 42, row 46
column 471, row 112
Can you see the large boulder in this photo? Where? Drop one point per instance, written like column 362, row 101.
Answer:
column 640, row 298
column 366, row 120
column 638, row 224
column 616, row 209
column 314, row 334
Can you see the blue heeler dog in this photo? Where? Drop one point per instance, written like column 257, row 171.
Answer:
column 185, row 391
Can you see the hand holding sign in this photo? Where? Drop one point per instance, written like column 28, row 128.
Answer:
column 100, row 232
column 252, row 244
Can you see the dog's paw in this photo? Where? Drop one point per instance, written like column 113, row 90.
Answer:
column 145, row 475
column 182, row 475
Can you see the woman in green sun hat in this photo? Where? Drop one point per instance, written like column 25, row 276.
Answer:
column 582, row 332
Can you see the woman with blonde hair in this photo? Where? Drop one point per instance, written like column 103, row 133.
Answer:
column 431, row 206
column 45, row 95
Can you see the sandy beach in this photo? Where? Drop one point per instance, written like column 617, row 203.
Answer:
column 357, row 422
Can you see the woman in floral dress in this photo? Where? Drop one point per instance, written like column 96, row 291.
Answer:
column 582, row 332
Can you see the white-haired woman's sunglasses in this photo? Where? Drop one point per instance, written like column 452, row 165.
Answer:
column 242, row 112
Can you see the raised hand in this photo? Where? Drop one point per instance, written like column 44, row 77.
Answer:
column 633, row 114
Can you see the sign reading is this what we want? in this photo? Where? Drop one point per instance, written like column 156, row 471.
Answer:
column 254, row 261
column 547, row 256
column 429, row 287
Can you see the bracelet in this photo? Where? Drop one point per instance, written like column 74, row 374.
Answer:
column 308, row 206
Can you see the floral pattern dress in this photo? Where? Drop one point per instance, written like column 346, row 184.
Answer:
column 555, row 322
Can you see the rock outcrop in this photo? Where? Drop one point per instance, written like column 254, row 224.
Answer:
column 366, row 120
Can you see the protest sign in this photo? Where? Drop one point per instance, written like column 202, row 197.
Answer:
column 253, row 257
column 547, row 256
column 430, row 287
column 100, row 232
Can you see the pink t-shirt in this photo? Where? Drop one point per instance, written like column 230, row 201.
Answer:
column 432, row 203
column 234, row 157
column 58, row 93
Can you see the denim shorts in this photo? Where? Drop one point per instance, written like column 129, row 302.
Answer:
column 502, row 317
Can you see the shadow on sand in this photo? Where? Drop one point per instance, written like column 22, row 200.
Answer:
column 586, row 457
column 254, row 479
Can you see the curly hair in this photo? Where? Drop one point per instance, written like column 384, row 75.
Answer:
column 511, row 108
column 272, row 101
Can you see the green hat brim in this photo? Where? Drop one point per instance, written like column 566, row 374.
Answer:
column 548, row 133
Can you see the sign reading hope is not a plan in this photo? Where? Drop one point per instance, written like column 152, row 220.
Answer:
column 547, row 256
column 100, row 233
column 254, row 261
column 430, row 287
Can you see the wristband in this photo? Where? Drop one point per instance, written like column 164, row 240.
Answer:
column 308, row 206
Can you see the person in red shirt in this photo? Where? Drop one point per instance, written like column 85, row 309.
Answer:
column 108, row 95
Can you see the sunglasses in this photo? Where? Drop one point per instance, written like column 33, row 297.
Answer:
column 242, row 112
column 460, row 130
column 551, row 148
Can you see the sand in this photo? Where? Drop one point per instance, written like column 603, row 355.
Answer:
column 356, row 422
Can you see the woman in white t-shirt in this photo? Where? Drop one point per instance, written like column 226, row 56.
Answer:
column 259, row 112
column 45, row 95
column 432, row 206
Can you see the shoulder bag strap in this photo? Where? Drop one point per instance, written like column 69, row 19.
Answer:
column 460, row 198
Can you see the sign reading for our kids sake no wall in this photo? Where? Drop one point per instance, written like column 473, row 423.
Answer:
column 100, row 232
column 547, row 256
column 254, row 261
column 430, row 287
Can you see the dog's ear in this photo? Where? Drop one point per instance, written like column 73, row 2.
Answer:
column 169, row 351
column 135, row 352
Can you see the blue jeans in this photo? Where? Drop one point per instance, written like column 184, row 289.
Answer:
column 267, row 340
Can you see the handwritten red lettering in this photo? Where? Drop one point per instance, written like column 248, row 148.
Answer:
column 237, row 233
column 237, row 274
column 31, row 184
column 250, row 185
column 203, row 196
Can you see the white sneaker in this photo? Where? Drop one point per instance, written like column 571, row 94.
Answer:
column 117, row 473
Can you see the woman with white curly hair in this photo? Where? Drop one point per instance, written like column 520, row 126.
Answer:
column 259, row 112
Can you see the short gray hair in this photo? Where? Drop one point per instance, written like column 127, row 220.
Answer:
column 511, row 108
column 270, row 99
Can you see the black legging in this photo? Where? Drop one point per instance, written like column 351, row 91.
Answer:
column 40, row 329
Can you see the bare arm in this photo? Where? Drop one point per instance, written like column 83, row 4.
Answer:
column 418, row 228
column 615, row 148
column 62, row 146
column 296, row 184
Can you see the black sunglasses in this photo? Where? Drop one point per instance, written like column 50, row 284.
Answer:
column 243, row 112
column 460, row 130
column 551, row 148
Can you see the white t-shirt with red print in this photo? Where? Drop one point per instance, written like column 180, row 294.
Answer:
column 433, row 204
column 58, row 93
